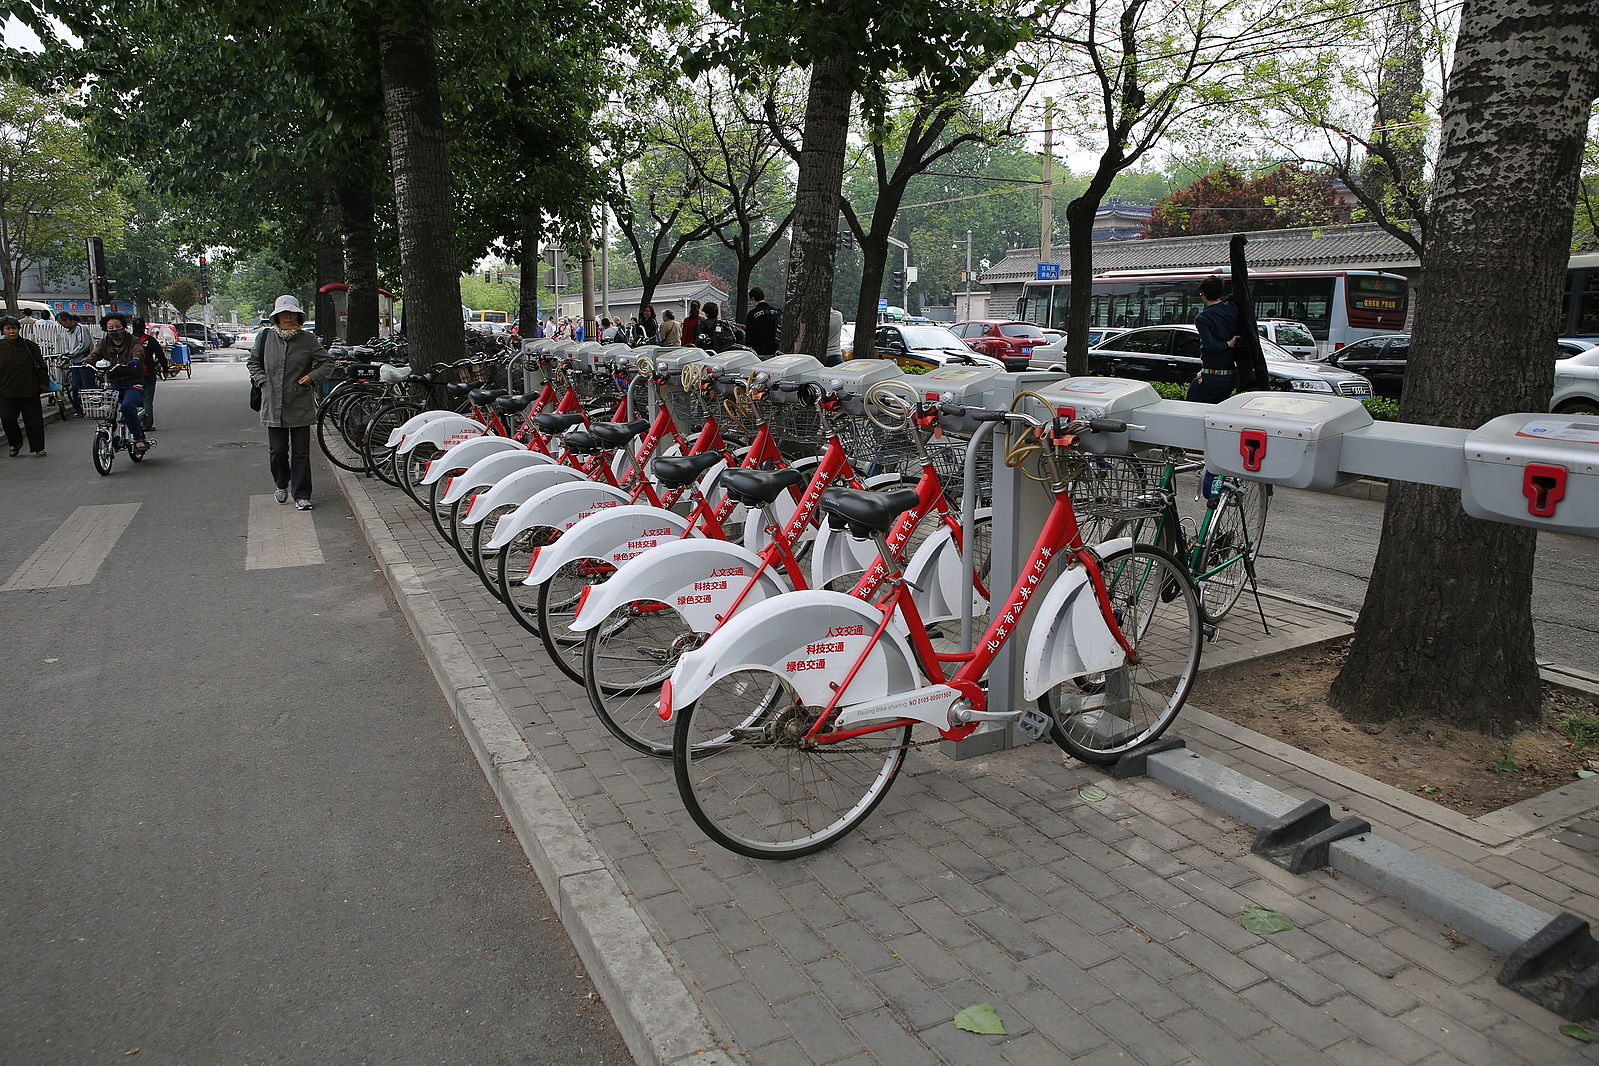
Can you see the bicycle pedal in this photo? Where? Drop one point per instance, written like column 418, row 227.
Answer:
column 1033, row 723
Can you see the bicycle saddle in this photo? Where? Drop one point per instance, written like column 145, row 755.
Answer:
column 582, row 441
column 419, row 379
column 484, row 397
column 757, row 488
column 864, row 512
column 457, row 389
column 553, row 422
column 679, row 471
column 510, row 405
column 616, row 434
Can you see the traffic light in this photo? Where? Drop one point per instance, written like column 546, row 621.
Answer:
column 205, row 278
column 899, row 280
column 846, row 239
column 499, row 276
column 486, row 277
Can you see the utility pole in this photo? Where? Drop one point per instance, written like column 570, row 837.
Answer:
column 605, row 263
column 590, row 326
column 968, row 292
column 1046, row 236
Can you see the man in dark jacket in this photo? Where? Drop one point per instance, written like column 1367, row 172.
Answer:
column 22, row 378
column 761, row 327
column 1217, row 323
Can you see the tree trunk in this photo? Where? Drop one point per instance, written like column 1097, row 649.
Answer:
column 808, row 303
column 425, row 215
column 328, row 259
column 358, row 215
column 874, row 264
column 1446, row 627
column 531, row 265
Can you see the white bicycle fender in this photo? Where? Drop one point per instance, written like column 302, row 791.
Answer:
column 519, row 487
column 461, row 456
column 411, row 425
column 934, row 573
column 443, row 433
column 617, row 536
column 699, row 579
column 811, row 639
column 561, row 506
column 490, row 469
column 1069, row 636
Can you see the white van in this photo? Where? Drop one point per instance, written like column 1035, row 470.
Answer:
column 1286, row 333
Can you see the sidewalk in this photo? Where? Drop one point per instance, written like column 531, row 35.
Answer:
column 1100, row 932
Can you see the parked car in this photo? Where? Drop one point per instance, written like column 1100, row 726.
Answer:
column 1008, row 341
column 1577, row 384
column 927, row 348
column 1566, row 347
column 1171, row 354
column 1052, row 356
column 199, row 335
column 1380, row 359
column 1291, row 336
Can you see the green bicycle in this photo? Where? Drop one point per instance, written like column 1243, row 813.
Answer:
column 1218, row 549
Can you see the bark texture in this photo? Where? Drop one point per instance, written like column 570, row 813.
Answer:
column 812, row 250
column 1446, row 627
column 531, row 265
column 358, row 215
column 419, row 150
column 329, row 259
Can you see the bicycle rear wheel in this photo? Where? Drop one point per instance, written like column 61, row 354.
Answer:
column 484, row 558
column 1222, row 574
column 375, row 450
column 625, row 659
column 753, row 783
column 1100, row 718
column 558, row 600
column 510, row 569
column 332, row 437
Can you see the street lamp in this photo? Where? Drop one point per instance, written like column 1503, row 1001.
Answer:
column 966, row 277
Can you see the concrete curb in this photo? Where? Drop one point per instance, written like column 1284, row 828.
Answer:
column 655, row 1011
column 1494, row 919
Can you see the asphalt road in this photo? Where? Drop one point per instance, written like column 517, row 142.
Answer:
column 1322, row 547
column 238, row 823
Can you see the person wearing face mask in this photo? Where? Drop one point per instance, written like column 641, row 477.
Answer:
column 287, row 364
column 126, row 374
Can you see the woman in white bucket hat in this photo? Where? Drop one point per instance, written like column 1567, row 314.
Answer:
column 287, row 364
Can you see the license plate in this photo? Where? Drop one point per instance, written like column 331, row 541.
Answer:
column 1027, row 351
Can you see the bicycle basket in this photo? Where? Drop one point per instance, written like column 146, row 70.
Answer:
column 99, row 403
column 1116, row 486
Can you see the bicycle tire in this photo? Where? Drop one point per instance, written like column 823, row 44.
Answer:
column 511, row 567
column 411, row 466
column 557, row 606
column 103, row 452
column 484, row 560
column 1222, row 573
column 759, row 791
column 375, row 449
column 331, row 439
column 625, row 660
column 1168, row 632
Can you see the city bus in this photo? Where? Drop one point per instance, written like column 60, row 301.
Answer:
column 1339, row 306
column 1579, row 315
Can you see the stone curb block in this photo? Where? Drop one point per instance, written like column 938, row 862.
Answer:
column 1500, row 922
column 654, row 1010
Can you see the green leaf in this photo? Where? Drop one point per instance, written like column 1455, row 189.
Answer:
column 1505, row 766
column 983, row 1019
column 1264, row 920
column 1576, row 1032
column 1092, row 793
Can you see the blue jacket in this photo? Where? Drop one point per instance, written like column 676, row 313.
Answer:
column 1217, row 324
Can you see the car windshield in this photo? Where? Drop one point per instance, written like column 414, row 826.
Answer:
column 930, row 337
column 1022, row 331
column 1274, row 354
column 1292, row 333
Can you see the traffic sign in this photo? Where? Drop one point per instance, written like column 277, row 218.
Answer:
column 882, row 305
column 1048, row 272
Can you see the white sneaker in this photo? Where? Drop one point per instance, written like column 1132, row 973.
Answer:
column 304, row 505
column 283, row 495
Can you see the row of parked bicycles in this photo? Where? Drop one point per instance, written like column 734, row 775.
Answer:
column 772, row 572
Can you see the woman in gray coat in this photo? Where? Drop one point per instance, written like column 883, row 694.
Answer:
column 287, row 364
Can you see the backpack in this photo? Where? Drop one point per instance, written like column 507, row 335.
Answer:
column 716, row 336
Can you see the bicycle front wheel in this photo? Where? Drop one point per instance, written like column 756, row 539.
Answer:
column 104, row 451
column 625, row 659
column 1223, row 572
column 558, row 601
column 1101, row 717
column 332, row 438
column 510, row 570
column 755, row 785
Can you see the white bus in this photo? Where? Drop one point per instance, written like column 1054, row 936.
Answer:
column 1339, row 306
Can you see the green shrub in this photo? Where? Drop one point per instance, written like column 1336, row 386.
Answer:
column 1171, row 390
column 1382, row 409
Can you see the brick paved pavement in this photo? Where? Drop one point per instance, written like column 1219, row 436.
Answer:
column 1101, row 932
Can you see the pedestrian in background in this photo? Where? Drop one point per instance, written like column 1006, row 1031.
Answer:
column 649, row 330
column 22, row 378
column 714, row 334
column 79, row 341
column 155, row 365
column 835, row 338
column 671, row 335
column 287, row 366
column 762, row 324
column 691, row 324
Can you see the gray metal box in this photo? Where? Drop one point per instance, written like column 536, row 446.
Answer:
column 1090, row 397
column 1282, row 438
column 784, row 368
column 980, row 387
column 849, row 381
column 588, row 355
column 1539, row 470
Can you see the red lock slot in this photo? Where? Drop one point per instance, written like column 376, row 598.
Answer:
column 1252, row 446
column 1544, row 486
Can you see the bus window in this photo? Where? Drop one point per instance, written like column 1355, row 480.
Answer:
column 1307, row 300
column 1377, row 302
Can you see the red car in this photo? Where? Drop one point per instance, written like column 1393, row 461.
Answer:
column 1012, row 342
